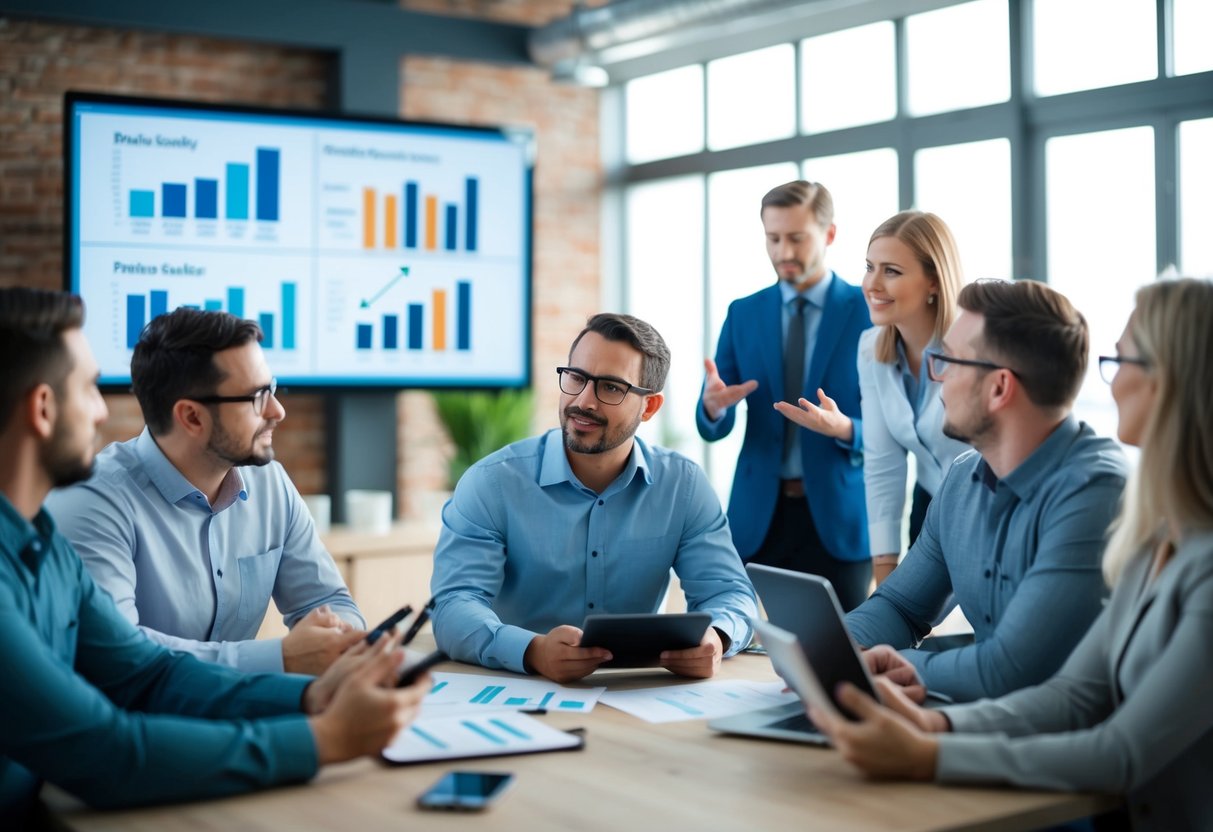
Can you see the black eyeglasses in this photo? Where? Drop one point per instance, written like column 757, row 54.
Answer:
column 260, row 398
column 607, row 390
column 1109, row 365
column 937, row 365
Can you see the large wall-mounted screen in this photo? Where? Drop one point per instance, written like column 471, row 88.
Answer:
column 373, row 253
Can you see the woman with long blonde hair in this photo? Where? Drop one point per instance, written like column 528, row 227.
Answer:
column 1131, row 711
column 911, row 280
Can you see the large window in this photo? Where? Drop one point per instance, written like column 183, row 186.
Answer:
column 751, row 97
column 1101, row 240
column 975, row 205
column 865, row 54
column 958, row 57
column 1086, row 44
column 1196, row 197
column 1069, row 141
column 665, row 278
column 864, row 187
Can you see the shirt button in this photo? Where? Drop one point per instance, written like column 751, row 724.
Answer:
column 591, row 605
column 36, row 545
column 219, row 573
column 593, row 554
column 988, row 573
column 600, row 503
column 988, row 619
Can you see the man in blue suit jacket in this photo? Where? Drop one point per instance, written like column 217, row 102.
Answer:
column 798, row 499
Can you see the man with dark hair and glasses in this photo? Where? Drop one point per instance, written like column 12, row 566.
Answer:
column 587, row 519
column 1017, row 529
column 191, row 526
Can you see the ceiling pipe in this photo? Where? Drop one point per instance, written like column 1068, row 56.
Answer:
column 575, row 41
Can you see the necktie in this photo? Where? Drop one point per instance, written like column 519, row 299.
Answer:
column 793, row 367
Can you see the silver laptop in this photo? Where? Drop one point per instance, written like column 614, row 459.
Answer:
column 807, row 617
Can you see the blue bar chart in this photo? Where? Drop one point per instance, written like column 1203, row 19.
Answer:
column 500, row 692
column 278, row 326
column 175, row 198
column 455, row 736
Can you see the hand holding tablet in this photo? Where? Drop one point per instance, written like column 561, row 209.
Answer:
column 639, row 640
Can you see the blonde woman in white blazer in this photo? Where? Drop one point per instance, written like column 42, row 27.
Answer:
column 912, row 278
column 1131, row 710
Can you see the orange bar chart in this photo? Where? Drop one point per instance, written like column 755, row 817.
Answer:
column 368, row 217
column 431, row 223
column 389, row 221
column 439, row 319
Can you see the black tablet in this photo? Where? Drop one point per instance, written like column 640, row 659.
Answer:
column 638, row 640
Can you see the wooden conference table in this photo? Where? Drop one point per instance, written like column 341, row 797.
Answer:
column 632, row 775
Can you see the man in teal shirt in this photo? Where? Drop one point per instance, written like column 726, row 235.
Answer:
column 87, row 701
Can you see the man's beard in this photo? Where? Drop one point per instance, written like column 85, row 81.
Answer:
column 63, row 465
column 972, row 435
column 224, row 447
column 611, row 438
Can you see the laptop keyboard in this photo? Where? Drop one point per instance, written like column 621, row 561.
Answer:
column 796, row 722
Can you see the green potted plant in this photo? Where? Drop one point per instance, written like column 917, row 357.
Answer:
column 481, row 422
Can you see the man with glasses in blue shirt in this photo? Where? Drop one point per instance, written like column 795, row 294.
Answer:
column 1017, row 528
column 587, row 519
column 191, row 526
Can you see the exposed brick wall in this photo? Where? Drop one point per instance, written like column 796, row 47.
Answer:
column 39, row 62
column 566, row 214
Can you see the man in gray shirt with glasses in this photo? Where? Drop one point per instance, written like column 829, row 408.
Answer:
column 1017, row 528
column 191, row 526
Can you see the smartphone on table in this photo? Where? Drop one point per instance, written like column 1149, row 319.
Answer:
column 465, row 791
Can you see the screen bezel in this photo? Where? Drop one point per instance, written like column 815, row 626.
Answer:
column 74, row 99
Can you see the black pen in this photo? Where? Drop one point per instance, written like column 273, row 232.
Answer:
column 418, row 622
column 389, row 623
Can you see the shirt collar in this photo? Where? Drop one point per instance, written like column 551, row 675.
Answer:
column 554, row 467
column 815, row 295
column 1039, row 465
column 18, row 532
column 173, row 485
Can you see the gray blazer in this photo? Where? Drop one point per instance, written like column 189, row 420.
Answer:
column 1130, row 712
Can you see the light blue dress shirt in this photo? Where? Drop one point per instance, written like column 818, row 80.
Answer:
column 193, row 576
column 1022, row 555
column 92, row 706
column 526, row 547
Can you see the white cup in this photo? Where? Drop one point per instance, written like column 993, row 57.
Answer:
column 369, row 511
column 320, row 506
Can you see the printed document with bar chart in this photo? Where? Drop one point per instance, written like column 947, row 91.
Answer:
column 489, row 734
column 464, row 692
column 370, row 253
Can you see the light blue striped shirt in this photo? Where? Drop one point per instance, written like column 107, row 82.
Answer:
column 193, row 576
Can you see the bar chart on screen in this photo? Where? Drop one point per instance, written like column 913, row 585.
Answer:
column 427, row 317
column 203, row 182
column 370, row 253
column 146, row 284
